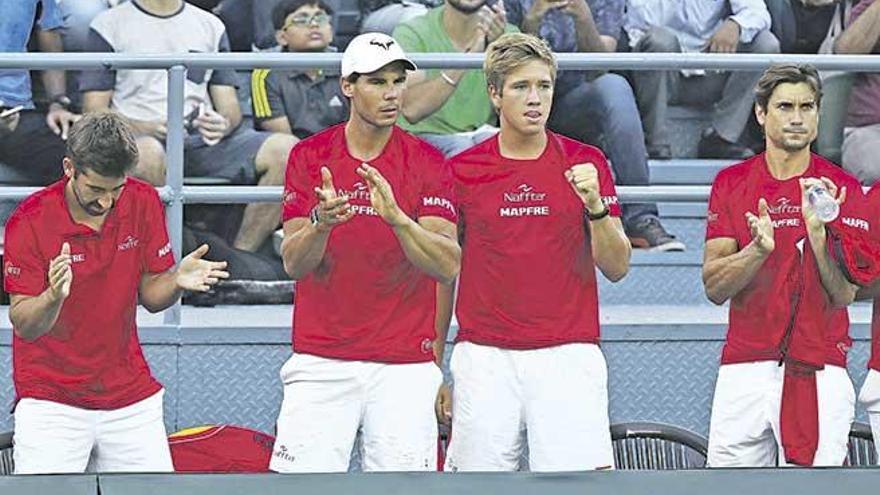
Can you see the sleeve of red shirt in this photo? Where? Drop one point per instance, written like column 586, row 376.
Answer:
column 606, row 181
column 856, row 204
column 438, row 193
column 25, row 270
column 874, row 218
column 299, row 196
column 607, row 190
column 718, row 220
column 157, row 255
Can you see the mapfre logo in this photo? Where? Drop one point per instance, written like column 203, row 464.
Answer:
column 524, row 193
column 164, row 250
column 856, row 223
column 785, row 208
column 609, row 200
column 439, row 202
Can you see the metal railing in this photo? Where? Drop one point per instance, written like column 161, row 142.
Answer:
column 175, row 194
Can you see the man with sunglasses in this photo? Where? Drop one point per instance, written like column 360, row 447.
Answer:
column 300, row 101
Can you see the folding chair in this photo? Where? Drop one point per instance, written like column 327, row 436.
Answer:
column 6, row 464
column 861, row 450
column 643, row 445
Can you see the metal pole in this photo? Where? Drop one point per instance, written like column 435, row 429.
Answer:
column 301, row 60
column 174, row 171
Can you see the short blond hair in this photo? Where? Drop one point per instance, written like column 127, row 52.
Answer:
column 511, row 51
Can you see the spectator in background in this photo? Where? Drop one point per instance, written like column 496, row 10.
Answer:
column 249, row 23
column 300, row 101
column 446, row 107
column 216, row 146
column 32, row 142
column 597, row 107
column 802, row 26
column 861, row 136
column 384, row 15
column 77, row 15
column 730, row 26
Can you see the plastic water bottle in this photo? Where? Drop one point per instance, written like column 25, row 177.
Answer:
column 824, row 204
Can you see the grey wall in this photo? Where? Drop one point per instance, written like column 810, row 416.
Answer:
column 662, row 372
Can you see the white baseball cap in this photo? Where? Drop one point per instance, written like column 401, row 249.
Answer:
column 370, row 52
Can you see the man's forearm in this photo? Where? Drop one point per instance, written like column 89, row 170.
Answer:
column 434, row 254
column 53, row 80
column 35, row 316
column 839, row 290
column 424, row 98
column 159, row 292
column 588, row 37
column 862, row 36
column 445, row 294
column 303, row 251
column 55, row 83
column 233, row 118
column 611, row 248
column 726, row 277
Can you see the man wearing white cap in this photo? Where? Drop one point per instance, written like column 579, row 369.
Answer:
column 369, row 230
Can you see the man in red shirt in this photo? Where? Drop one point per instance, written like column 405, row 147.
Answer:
column 369, row 226
column 537, row 214
column 869, row 396
column 759, row 226
column 80, row 255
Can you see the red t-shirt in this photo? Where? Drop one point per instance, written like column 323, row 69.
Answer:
column 528, row 278
column 761, row 313
column 874, row 219
column 366, row 300
column 91, row 358
column 221, row 449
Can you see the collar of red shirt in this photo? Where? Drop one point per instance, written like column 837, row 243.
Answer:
column 66, row 225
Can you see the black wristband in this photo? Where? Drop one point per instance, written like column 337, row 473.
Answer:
column 598, row 216
column 313, row 217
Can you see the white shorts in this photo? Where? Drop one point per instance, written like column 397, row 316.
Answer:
column 57, row 438
column 326, row 402
column 744, row 431
column 556, row 397
column 869, row 396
